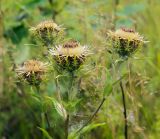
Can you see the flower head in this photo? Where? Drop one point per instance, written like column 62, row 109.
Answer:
column 32, row 71
column 70, row 55
column 47, row 31
column 125, row 41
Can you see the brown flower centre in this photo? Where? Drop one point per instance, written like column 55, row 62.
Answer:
column 71, row 44
column 128, row 30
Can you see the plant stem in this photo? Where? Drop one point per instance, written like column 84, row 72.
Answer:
column 68, row 98
column 70, row 85
column 1, row 52
column 38, row 89
column 45, row 113
column 124, row 111
column 115, row 4
column 66, row 127
column 47, row 119
column 93, row 115
column 124, row 105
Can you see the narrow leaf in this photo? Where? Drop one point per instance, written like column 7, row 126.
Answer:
column 46, row 134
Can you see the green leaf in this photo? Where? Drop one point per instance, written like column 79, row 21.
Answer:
column 46, row 134
column 108, row 90
column 72, row 104
column 59, row 107
column 16, row 33
column 75, row 135
column 33, row 3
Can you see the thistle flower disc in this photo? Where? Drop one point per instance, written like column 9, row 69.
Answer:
column 32, row 71
column 125, row 41
column 70, row 55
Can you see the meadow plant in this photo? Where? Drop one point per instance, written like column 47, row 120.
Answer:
column 66, row 59
column 125, row 42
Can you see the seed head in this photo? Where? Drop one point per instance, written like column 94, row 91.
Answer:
column 125, row 41
column 47, row 31
column 70, row 55
column 32, row 71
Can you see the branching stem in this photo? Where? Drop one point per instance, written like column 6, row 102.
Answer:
column 93, row 115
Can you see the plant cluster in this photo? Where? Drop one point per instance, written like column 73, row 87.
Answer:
column 65, row 58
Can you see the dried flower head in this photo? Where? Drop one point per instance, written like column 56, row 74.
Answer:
column 32, row 71
column 47, row 31
column 70, row 55
column 125, row 41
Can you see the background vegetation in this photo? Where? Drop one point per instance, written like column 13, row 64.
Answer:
column 88, row 22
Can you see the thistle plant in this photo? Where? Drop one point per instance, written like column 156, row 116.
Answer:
column 67, row 71
column 68, row 57
column 125, row 42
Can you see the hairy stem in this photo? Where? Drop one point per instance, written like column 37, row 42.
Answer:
column 124, row 111
column 68, row 98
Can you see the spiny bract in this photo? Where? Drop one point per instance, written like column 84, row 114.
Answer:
column 70, row 55
column 125, row 41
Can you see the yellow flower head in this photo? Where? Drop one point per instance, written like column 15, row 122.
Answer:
column 125, row 41
column 70, row 55
column 32, row 71
column 44, row 26
column 47, row 32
